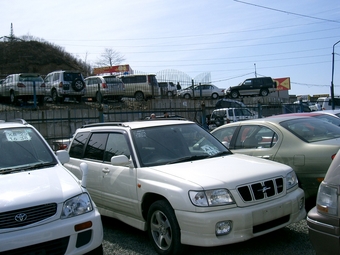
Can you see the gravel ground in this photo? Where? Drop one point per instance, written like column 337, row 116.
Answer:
column 122, row 239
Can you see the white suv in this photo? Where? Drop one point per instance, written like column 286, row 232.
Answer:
column 44, row 209
column 176, row 181
column 65, row 84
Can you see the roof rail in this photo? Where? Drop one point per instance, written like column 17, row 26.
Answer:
column 22, row 121
column 102, row 124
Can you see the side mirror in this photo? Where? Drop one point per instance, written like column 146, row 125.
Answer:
column 120, row 160
column 63, row 156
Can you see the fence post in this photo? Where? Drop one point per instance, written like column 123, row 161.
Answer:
column 204, row 122
column 259, row 109
column 34, row 95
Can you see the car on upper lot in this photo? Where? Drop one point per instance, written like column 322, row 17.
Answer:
column 306, row 144
column 65, row 84
column 222, row 116
column 24, row 86
column 205, row 90
column 260, row 86
column 325, row 103
column 44, row 208
column 141, row 86
column 155, row 176
column 168, row 89
column 323, row 219
column 104, row 87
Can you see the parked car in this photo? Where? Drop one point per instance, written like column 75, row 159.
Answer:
column 325, row 103
column 154, row 176
column 306, row 144
column 222, row 116
column 316, row 114
column 207, row 90
column 23, row 86
column 65, row 84
column 229, row 103
column 260, row 86
column 44, row 209
column 168, row 88
column 335, row 112
column 323, row 220
column 141, row 86
column 104, row 87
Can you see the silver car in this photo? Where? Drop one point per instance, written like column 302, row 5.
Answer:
column 207, row 90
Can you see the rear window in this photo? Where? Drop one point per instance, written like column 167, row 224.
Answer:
column 24, row 78
column 311, row 129
column 72, row 76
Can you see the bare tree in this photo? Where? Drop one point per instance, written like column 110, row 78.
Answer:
column 110, row 57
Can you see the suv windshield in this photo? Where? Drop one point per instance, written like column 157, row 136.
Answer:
column 175, row 143
column 21, row 149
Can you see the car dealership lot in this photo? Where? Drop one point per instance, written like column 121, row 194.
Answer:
column 122, row 239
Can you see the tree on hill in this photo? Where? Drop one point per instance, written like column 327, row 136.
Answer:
column 110, row 57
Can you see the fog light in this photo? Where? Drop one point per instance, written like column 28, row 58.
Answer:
column 301, row 203
column 223, row 227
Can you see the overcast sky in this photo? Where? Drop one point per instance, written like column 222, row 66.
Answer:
column 228, row 40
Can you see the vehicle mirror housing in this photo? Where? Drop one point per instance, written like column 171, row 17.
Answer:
column 120, row 160
column 63, row 156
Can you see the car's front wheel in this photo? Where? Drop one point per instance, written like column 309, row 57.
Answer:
column 187, row 96
column 214, row 96
column 139, row 96
column 264, row 92
column 13, row 98
column 163, row 228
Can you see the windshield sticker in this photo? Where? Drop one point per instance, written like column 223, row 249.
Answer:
column 210, row 150
column 140, row 134
column 17, row 135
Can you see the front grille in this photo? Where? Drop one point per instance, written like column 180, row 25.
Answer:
column 26, row 216
column 261, row 190
column 55, row 247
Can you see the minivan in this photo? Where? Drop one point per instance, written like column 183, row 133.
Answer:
column 141, row 86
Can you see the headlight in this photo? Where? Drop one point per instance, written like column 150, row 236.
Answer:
column 327, row 199
column 76, row 206
column 291, row 180
column 211, row 197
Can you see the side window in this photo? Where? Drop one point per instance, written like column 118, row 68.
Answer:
column 116, row 145
column 96, row 146
column 247, row 83
column 78, row 145
column 225, row 134
column 251, row 137
column 56, row 77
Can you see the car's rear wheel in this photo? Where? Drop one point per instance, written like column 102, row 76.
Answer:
column 55, row 97
column 214, row 96
column 99, row 97
column 13, row 98
column 234, row 94
column 139, row 96
column 169, row 94
column 264, row 92
column 163, row 228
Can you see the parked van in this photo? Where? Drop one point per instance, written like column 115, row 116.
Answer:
column 141, row 86
column 168, row 89
column 223, row 116
column 325, row 103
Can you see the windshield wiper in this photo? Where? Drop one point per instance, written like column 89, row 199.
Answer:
column 220, row 154
column 40, row 165
column 188, row 158
column 26, row 167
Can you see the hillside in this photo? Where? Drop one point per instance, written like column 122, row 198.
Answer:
column 37, row 57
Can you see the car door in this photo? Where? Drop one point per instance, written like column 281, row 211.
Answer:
column 119, row 182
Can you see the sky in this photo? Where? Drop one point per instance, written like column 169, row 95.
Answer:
column 225, row 41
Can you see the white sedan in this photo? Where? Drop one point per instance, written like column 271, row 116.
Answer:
column 202, row 91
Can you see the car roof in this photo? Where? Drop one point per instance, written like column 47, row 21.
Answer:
column 13, row 123
column 136, row 124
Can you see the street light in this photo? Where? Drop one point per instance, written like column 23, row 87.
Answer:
column 332, row 85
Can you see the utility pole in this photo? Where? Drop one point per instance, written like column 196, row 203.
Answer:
column 332, row 84
column 255, row 70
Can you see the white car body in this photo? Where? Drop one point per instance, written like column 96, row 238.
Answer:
column 47, row 189
column 126, row 189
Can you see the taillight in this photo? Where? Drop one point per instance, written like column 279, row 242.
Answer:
column 43, row 85
column 20, row 85
column 60, row 85
column 333, row 156
column 104, row 85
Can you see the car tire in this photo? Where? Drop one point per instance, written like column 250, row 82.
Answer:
column 139, row 96
column 187, row 96
column 78, row 85
column 55, row 97
column 214, row 96
column 264, row 92
column 13, row 99
column 234, row 94
column 163, row 228
column 99, row 97
column 169, row 94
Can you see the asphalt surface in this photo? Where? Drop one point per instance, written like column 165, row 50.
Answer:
column 122, row 239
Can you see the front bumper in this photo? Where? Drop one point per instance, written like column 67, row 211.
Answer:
column 198, row 229
column 38, row 239
column 324, row 232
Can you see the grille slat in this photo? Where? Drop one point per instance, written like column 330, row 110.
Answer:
column 261, row 190
column 31, row 214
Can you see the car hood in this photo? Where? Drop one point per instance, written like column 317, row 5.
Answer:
column 227, row 171
column 36, row 187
